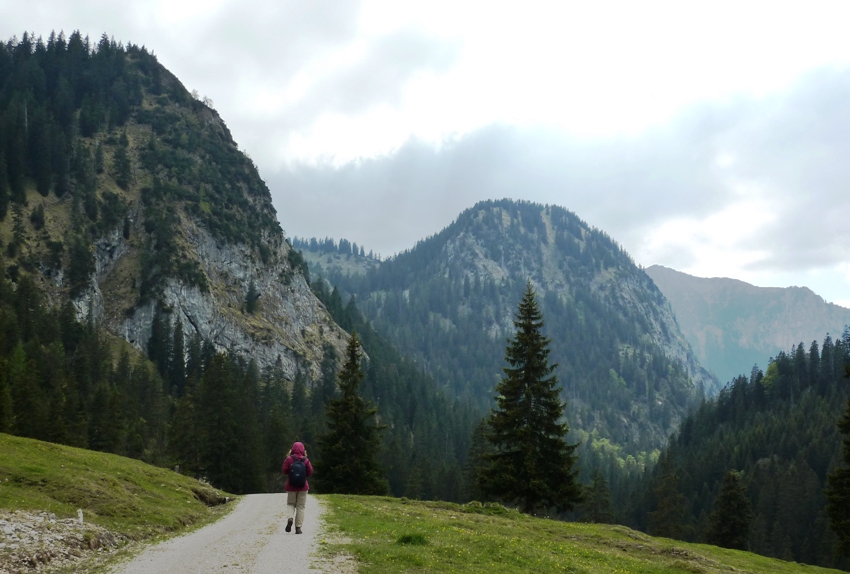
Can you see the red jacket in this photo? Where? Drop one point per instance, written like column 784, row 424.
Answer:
column 297, row 452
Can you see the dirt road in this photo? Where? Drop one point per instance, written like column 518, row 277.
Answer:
column 250, row 540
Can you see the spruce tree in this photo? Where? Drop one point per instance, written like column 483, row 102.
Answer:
column 729, row 521
column 668, row 518
column 348, row 464
column 122, row 169
column 838, row 490
column 597, row 500
column 251, row 298
column 177, row 364
column 5, row 190
column 533, row 464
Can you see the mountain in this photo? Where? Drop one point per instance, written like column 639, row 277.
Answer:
column 732, row 325
column 126, row 195
column 627, row 372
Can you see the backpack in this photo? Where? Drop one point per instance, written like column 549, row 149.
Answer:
column 298, row 472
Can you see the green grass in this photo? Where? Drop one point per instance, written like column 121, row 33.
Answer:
column 396, row 535
column 121, row 494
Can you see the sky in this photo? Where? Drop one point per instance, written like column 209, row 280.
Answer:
column 710, row 137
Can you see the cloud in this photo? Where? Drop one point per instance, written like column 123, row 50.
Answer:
column 747, row 185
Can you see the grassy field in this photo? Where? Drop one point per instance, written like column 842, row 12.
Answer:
column 121, row 494
column 396, row 535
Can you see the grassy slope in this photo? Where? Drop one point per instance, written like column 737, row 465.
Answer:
column 118, row 493
column 395, row 535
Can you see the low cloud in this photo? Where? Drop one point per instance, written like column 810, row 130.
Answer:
column 763, row 179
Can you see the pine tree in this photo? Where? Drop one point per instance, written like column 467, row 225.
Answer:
column 597, row 500
column 668, row 518
column 218, row 425
column 5, row 399
column 729, row 521
column 348, row 464
column 121, row 164
column 177, row 363
column 838, row 491
column 533, row 464
column 5, row 190
column 251, row 298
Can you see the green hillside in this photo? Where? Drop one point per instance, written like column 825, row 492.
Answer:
column 121, row 494
column 392, row 536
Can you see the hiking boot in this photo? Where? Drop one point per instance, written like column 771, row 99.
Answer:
column 289, row 525
column 297, row 530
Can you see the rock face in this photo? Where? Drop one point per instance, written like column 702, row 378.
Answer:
column 289, row 325
column 732, row 325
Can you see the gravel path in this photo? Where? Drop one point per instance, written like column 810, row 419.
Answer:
column 249, row 540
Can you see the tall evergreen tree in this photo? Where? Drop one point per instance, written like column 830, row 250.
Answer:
column 597, row 500
column 251, row 298
column 5, row 399
column 177, row 364
column 533, row 464
column 668, row 518
column 348, row 464
column 5, row 190
column 218, row 425
column 838, row 492
column 122, row 169
column 729, row 522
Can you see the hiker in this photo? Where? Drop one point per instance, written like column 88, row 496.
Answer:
column 297, row 468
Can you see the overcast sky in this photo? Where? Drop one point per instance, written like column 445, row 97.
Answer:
column 710, row 137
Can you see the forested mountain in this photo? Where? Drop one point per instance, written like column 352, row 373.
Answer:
column 732, row 325
column 123, row 193
column 150, row 305
column 779, row 428
column 627, row 372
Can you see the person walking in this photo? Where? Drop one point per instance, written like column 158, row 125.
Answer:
column 297, row 468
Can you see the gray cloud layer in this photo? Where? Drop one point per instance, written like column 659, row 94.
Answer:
column 788, row 150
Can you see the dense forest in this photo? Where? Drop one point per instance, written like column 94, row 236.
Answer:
column 214, row 415
column 778, row 429
column 449, row 302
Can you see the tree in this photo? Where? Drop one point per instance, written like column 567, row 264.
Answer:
column 5, row 190
column 251, row 298
column 668, row 518
column 597, row 500
column 838, row 491
column 348, row 464
column 218, row 425
column 533, row 464
column 729, row 521
column 121, row 164
column 177, row 364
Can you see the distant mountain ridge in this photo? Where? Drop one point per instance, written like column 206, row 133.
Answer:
column 732, row 325
column 627, row 371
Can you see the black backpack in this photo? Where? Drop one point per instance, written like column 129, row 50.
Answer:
column 298, row 472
